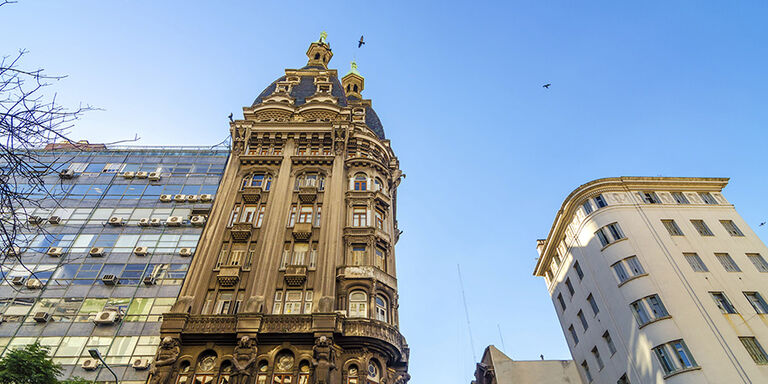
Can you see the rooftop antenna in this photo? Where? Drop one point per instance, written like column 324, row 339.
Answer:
column 466, row 313
column 503, row 348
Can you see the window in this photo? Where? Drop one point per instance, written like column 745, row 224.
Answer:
column 593, row 304
column 723, row 303
column 600, row 201
column 755, row 350
column 569, row 286
column 574, row 336
column 359, row 217
column 360, row 183
column 648, row 309
column 708, row 198
column 758, row 261
column 583, row 320
column 358, row 255
column 578, row 270
column 587, row 374
column 702, row 228
column 609, row 342
column 651, row 198
column 292, row 303
column 683, row 359
column 731, row 228
column 596, row 355
column 621, row 272
column 378, row 217
column 305, row 214
column 377, row 184
column 615, row 231
column 292, row 216
column 615, row 234
column 381, row 309
column 587, row 207
column 260, row 215
column 672, row 228
column 680, row 198
column 223, row 303
column 600, row 233
column 695, row 262
column 757, row 302
column 634, row 266
column 623, row 379
column 380, row 261
column 561, row 301
column 727, row 262
column 628, row 268
column 358, row 304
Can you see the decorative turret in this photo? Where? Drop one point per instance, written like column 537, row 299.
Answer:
column 319, row 52
column 353, row 82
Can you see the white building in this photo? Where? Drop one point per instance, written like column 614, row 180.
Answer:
column 658, row 280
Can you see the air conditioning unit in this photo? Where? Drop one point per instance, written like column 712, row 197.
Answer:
column 35, row 220
column 144, row 222
column 154, row 176
column 42, row 317
column 115, row 221
column 140, row 251
column 192, row 198
column 89, row 364
column 174, row 221
column 110, row 316
column 140, row 364
column 55, row 251
column 186, row 252
column 141, row 175
column 34, row 284
column 54, row 219
column 154, row 222
column 18, row 280
column 149, row 280
column 67, row 174
column 109, row 279
column 198, row 220
column 180, row 198
column 206, row 197
column 129, row 175
column 96, row 252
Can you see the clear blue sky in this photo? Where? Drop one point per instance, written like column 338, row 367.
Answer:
column 638, row 88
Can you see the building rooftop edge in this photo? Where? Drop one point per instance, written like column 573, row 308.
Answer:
column 624, row 182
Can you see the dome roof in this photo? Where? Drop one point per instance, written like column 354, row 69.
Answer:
column 307, row 88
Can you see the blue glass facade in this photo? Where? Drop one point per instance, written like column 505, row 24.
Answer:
column 95, row 258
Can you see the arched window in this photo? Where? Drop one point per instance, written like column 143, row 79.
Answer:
column 355, row 87
column 283, row 367
column 381, row 309
column 261, row 378
column 358, row 304
column 361, row 182
column 378, row 185
column 352, row 374
column 204, row 369
column 374, row 372
column 257, row 180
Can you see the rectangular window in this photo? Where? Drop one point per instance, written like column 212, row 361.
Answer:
column 600, row 201
column 587, row 207
column 260, row 215
column 757, row 302
column 758, row 261
column 587, row 374
column 680, row 198
column 640, row 312
column 293, row 303
column 583, row 320
column 615, row 231
column 569, row 286
column 292, row 217
column 600, row 233
column 609, row 342
column 684, row 356
column 665, row 360
column 727, row 262
column 708, row 198
column 358, row 255
column 621, row 272
column 380, row 261
column 596, row 355
column 702, row 228
column 695, row 262
column 651, row 198
column 574, row 336
column 359, row 217
column 561, row 301
column 755, row 350
column 723, row 303
column 305, row 214
column 731, row 228
column 672, row 228
column 578, row 270
column 634, row 266
column 593, row 304
column 379, row 219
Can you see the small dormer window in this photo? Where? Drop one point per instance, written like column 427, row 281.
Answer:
column 324, row 88
column 355, row 87
column 282, row 88
column 317, row 56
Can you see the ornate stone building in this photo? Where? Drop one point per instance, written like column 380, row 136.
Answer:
column 294, row 276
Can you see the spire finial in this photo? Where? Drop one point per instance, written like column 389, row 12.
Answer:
column 323, row 36
column 353, row 68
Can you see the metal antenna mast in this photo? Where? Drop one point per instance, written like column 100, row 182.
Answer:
column 503, row 348
column 466, row 313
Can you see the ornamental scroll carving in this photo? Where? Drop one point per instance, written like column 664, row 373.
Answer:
column 162, row 367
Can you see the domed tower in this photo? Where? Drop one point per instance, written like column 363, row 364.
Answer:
column 294, row 278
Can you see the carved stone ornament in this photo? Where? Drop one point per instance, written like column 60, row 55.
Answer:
column 166, row 356
column 243, row 358
column 183, row 304
column 323, row 359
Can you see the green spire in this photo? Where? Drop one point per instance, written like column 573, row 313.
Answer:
column 323, row 36
column 353, row 69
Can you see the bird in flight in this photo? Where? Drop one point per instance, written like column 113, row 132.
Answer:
column 361, row 42
column 763, row 223
column 230, row 117
column 546, row 85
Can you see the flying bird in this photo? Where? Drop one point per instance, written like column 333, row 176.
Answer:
column 230, row 117
column 763, row 223
column 361, row 42
column 546, row 85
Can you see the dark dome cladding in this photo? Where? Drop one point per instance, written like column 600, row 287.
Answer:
column 306, row 88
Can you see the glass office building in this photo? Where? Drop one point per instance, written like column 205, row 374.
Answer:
column 100, row 265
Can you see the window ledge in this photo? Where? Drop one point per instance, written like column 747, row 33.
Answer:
column 654, row 321
column 617, row 241
column 675, row 373
column 632, row 278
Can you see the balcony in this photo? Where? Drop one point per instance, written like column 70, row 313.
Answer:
column 366, row 272
column 228, row 275
column 302, row 231
column 251, row 195
column 307, row 194
column 295, row 275
column 241, row 231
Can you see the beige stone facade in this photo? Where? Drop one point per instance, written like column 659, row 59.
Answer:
column 658, row 280
column 294, row 278
column 497, row 368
